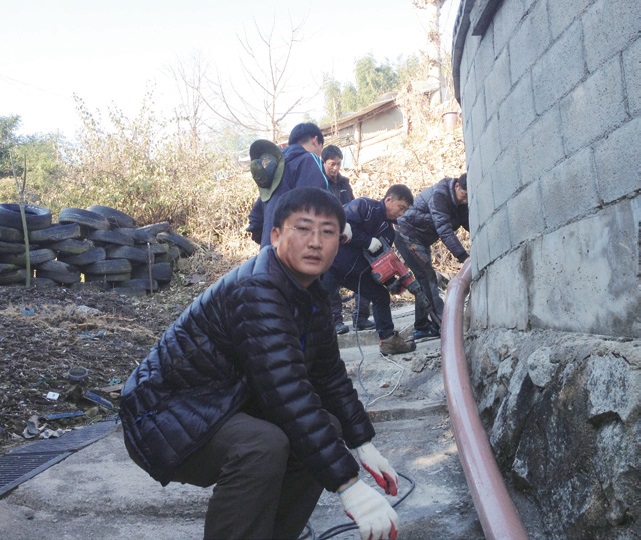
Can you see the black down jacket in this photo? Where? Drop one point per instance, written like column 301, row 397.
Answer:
column 437, row 214
column 255, row 341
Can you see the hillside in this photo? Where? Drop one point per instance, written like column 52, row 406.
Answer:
column 45, row 332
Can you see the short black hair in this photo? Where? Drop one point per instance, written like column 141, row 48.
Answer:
column 401, row 192
column 307, row 199
column 462, row 181
column 331, row 152
column 305, row 132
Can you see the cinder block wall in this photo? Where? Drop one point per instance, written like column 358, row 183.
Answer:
column 551, row 101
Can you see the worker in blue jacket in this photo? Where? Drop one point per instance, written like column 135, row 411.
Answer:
column 302, row 168
column 370, row 220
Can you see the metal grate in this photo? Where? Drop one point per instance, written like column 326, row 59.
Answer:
column 17, row 468
column 71, row 441
column 27, row 461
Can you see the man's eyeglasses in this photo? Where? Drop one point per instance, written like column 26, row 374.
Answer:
column 306, row 232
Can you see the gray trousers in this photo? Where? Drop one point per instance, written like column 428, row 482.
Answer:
column 261, row 491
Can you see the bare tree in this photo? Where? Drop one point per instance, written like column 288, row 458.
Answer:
column 189, row 76
column 434, row 52
column 264, row 97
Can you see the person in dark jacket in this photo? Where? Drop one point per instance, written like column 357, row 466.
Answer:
column 438, row 212
column 303, row 168
column 371, row 220
column 246, row 390
column 339, row 185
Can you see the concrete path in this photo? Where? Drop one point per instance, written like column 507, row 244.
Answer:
column 99, row 493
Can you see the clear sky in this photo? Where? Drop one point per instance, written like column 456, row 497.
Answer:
column 108, row 52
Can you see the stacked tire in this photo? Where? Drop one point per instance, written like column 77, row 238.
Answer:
column 13, row 259
column 98, row 247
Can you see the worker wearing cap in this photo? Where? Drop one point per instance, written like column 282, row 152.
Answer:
column 298, row 165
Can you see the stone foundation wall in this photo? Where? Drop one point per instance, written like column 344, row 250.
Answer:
column 562, row 411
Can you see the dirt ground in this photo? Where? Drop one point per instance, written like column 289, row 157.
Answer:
column 45, row 332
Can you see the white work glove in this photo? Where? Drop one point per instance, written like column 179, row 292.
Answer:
column 374, row 245
column 375, row 518
column 378, row 467
column 346, row 235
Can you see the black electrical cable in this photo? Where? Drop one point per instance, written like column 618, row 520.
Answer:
column 344, row 527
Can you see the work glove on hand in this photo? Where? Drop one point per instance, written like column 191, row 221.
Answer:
column 375, row 518
column 378, row 467
column 346, row 235
column 374, row 245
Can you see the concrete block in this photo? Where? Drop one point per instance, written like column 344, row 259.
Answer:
column 541, row 146
column 478, row 116
column 508, row 306
column 632, row 77
column 529, row 41
column 484, row 59
column 479, row 249
column 498, row 83
column 608, row 26
column 583, row 276
column 594, row 107
column 506, row 175
column 564, row 57
column 498, row 235
column 484, row 200
column 563, row 13
column 569, row 190
column 490, row 144
column 617, row 161
column 506, row 19
column 516, row 112
column 478, row 303
column 525, row 214
column 474, row 165
column 474, row 217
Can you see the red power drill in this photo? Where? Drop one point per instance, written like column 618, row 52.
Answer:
column 388, row 270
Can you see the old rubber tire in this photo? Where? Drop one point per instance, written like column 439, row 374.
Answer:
column 115, row 217
column 109, row 278
column 132, row 253
column 37, row 217
column 159, row 271
column 84, row 217
column 108, row 266
column 8, row 234
column 111, row 237
column 82, row 259
column 37, row 256
column 56, row 233
column 155, row 228
column 10, row 247
column 72, row 246
column 59, row 272
column 186, row 246
column 6, row 268
column 19, row 276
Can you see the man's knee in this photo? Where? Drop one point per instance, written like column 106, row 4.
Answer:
column 266, row 450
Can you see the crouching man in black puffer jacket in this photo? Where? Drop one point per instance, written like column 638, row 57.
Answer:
column 246, row 390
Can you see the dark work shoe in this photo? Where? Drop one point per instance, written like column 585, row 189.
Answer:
column 395, row 344
column 341, row 328
column 428, row 332
column 365, row 325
